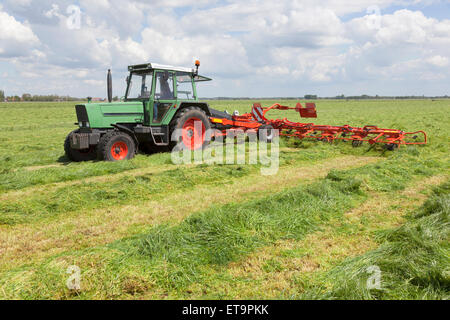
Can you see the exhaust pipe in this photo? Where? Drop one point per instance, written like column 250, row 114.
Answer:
column 109, row 85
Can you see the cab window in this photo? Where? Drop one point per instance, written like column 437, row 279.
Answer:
column 139, row 86
column 184, row 86
column 164, row 86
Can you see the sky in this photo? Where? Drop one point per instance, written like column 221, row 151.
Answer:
column 253, row 48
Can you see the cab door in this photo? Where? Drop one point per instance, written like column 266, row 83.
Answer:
column 163, row 97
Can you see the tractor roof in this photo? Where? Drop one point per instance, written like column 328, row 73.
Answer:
column 152, row 66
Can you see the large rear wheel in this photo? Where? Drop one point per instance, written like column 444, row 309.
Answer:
column 190, row 129
column 78, row 155
column 116, row 146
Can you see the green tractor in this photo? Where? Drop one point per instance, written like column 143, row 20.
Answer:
column 158, row 100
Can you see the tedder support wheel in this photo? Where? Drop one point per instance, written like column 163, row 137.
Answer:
column 115, row 146
column 192, row 128
column 391, row 146
column 266, row 133
column 356, row 143
column 78, row 155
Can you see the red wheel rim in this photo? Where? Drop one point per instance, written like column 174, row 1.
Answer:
column 119, row 150
column 193, row 133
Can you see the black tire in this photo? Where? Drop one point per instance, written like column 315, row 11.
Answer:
column 179, row 121
column 356, row 143
column 391, row 146
column 125, row 146
column 78, row 155
column 266, row 133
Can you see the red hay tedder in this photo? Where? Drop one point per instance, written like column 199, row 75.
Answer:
column 390, row 138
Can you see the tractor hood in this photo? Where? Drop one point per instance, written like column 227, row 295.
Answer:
column 102, row 115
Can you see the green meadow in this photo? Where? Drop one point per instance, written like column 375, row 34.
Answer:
column 150, row 229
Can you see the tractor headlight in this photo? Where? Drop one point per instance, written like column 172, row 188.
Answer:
column 84, row 124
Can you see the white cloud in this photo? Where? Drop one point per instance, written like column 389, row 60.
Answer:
column 253, row 47
column 403, row 47
column 94, row 82
column 16, row 38
column 438, row 61
column 53, row 12
column 403, row 26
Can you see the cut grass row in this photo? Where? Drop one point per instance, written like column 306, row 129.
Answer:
column 24, row 177
column 74, row 230
column 413, row 260
column 16, row 179
column 37, row 203
column 218, row 237
column 290, row 268
column 168, row 259
column 88, row 196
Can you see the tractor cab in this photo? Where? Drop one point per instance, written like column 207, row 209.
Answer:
column 159, row 102
column 161, row 89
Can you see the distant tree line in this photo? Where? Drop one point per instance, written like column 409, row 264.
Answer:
column 252, row 98
column 29, row 97
column 55, row 97
column 315, row 97
column 365, row 96
column 51, row 97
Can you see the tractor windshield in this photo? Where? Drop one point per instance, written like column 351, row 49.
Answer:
column 185, row 88
column 139, row 86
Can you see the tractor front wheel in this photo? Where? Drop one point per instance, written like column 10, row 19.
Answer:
column 78, row 155
column 116, row 146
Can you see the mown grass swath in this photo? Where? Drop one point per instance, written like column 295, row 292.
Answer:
column 414, row 259
column 19, row 178
column 87, row 195
column 176, row 254
column 92, row 195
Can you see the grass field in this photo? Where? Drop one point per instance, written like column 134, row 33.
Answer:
column 149, row 229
